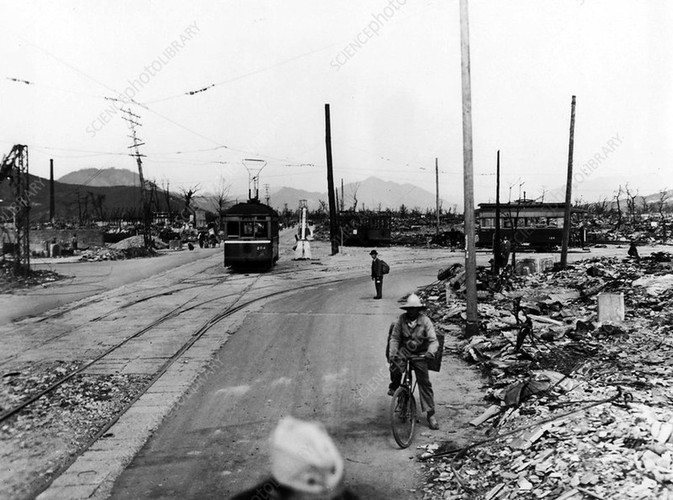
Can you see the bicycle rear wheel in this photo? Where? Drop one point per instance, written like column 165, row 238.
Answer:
column 403, row 416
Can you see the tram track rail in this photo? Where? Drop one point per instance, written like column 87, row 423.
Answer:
column 235, row 307
column 192, row 284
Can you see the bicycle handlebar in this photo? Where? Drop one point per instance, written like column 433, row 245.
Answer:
column 414, row 358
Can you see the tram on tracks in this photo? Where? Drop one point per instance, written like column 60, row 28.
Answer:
column 251, row 235
column 530, row 224
column 365, row 229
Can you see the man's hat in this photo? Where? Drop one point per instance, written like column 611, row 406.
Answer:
column 413, row 302
column 304, row 457
column 373, row 252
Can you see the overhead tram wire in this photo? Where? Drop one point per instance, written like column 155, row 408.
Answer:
column 207, row 87
column 57, row 89
column 144, row 106
column 218, row 144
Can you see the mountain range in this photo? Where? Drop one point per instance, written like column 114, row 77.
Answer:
column 372, row 193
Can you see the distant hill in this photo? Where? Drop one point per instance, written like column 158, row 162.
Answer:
column 107, row 177
column 291, row 196
column 87, row 201
column 372, row 194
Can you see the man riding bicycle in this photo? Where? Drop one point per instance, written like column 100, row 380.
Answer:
column 414, row 335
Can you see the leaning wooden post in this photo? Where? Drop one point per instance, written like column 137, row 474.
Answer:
column 497, row 255
column 472, row 324
column 330, row 184
column 569, row 183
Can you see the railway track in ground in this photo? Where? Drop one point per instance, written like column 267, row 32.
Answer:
column 139, row 298
column 220, row 305
column 229, row 310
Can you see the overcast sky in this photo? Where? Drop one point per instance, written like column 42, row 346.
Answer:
column 216, row 82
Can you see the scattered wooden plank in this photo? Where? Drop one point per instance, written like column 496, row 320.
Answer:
column 490, row 412
column 545, row 319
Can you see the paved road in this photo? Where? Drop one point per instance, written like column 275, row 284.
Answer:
column 315, row 355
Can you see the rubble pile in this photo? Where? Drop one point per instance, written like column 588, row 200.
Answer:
column 39, row 441
column 10, row 281
column 578, row 408
column 129, row 248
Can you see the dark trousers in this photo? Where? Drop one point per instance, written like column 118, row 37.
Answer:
column 378, row 284
column 423, row 379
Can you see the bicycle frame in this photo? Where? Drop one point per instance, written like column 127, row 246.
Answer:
column 403, row 405
column 408, row 380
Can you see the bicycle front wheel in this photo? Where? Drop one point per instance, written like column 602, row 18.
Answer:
column 403, row 416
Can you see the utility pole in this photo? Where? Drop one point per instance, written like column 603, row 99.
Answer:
column 437, row 193
column 52, row 201
column 330, row 184
column 266, row 190
column 342, row 194
column 566, row 217
column 497, row 257
column 472, row 323
column 135, row 145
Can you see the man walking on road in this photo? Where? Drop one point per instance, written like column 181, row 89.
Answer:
column 377, row 273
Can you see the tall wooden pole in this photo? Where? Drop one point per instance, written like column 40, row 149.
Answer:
column 52, row 201
column 342, row 195
column 437, row 192
column 330, row 184
column 566, row 217
column 472, row 324
column 497, row 256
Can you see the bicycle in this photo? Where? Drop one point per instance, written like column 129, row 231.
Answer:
column 403, row 410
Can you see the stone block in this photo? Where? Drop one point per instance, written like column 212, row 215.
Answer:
column 611, row 307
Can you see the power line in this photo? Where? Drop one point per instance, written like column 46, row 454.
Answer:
column 236, row 78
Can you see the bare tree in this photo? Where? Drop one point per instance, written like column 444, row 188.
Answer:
column 97, row 201
column 354, row 195
column 188, row 196
column 165, row 186
column 619, row 208
column 601, row 206
column 631, row 201
column 221, row 199
column 645, row 206
column 580, row 203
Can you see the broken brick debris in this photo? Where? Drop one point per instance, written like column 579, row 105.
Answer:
column 583, row 408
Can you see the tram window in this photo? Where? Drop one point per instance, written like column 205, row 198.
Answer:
column 233, row 229
column 248, row 229
column 261, row 228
